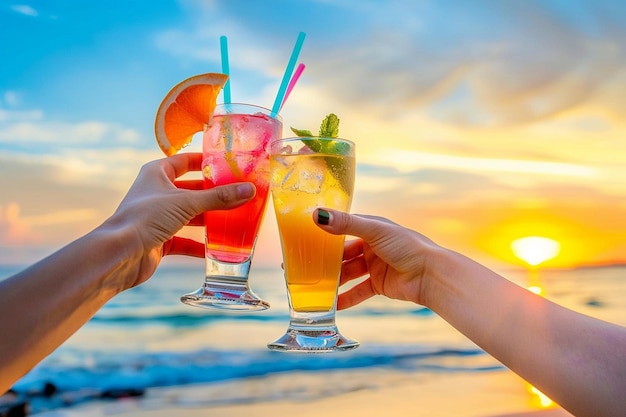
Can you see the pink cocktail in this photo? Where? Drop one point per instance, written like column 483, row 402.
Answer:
column 234, row 149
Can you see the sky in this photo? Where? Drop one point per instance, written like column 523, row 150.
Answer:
column 477, row 122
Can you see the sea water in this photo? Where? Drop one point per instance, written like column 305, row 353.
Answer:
column 146, row 338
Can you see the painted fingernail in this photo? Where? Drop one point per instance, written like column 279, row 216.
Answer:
column 245, row 190
column 323, row 217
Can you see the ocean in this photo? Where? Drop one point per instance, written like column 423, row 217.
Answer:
column 146, row 338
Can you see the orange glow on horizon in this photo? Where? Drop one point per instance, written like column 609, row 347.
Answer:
column 589, row 233
column 587, row 237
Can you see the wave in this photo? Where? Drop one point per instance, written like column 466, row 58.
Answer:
column 105, row 373
column 179, row 319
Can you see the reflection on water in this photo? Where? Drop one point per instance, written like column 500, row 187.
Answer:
column 540, row 398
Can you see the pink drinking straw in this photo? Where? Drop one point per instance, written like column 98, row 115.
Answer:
column 294, row 80
column 288, row 72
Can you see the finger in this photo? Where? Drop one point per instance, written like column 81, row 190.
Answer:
column 352, row 249
column 353, row 269
column 183, row 246
column 182, row 163
column 189, row 184
column 339, row 223
column 355, row 295
column 224, row 196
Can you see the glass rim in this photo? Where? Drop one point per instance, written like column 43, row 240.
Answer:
column 325, row 138
column 264, row 110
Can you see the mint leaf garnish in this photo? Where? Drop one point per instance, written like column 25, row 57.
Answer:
column 340, row 148
column 301, row 132
column 329, row 129
column 330, row 126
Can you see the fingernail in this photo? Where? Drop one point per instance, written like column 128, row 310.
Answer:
column 323, row 217
column 245, row 191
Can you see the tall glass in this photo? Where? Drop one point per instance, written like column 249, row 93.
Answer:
column 307, row 173
column 234, row 149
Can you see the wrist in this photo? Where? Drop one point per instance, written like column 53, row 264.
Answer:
column 118, row 253
column 439, row 275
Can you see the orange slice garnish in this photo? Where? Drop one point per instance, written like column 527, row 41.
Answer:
column 185, row 110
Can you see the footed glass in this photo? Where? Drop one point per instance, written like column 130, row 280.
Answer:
column 234, row 149
column 307, row 173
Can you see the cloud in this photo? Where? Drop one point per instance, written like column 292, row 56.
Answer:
column 112, row 169
column 60, row 179
column 198, row 38
column 66, row 176
column 26, row 238
column 25, row 10
column 519, row 64
column 64, row 217
column 87, row 152
column 411, row 160
column 14, row 231
column 87, row 133
column 11, row 98
column 200, row 43
column 19, row 230
column 13, row 116
column 47, row 201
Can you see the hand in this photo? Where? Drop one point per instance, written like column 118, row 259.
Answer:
column 157, row 206
column 395, row 258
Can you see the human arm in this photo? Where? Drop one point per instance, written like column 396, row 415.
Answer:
column 46, row 303
column 578, row 361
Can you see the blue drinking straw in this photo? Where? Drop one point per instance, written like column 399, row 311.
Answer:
column 225, row 67
column 288, row 71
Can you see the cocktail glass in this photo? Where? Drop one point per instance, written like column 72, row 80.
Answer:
column 234, row 149
column 307, row 173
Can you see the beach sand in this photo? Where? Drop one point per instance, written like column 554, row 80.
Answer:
column 388, row 393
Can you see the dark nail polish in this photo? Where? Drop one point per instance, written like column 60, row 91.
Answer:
column 323, row 217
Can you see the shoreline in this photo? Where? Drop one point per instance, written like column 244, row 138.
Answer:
column 494, row 393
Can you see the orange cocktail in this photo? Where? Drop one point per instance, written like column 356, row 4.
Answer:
column 312, row 257
column 307, row 173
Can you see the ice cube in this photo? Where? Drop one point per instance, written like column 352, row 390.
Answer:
column 307, row 175
column 206, row 171
column 288, row 181
column 311, row 180
column 217, row 168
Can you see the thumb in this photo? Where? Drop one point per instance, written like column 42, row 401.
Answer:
column 368, row 228
column 225, row 196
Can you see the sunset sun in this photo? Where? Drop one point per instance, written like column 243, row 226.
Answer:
column 535, row 250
